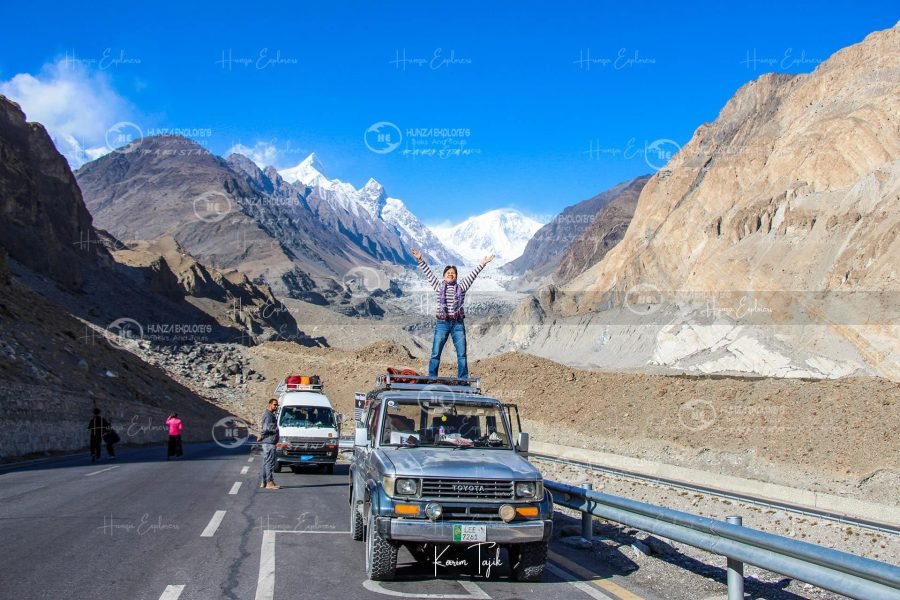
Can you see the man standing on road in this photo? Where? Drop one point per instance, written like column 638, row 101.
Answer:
column 268, row 437
column 97, row 426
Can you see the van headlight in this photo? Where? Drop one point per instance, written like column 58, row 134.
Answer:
column 406, row 487
column 533, row 490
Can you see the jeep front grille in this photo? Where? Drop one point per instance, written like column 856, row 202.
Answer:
column 482, row 489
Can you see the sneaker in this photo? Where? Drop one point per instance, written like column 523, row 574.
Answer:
column 272, row 486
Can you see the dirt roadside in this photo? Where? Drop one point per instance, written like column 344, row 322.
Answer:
column 833, row 436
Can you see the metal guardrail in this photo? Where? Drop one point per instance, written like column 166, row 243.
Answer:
column 766, row 502
column 839, row 572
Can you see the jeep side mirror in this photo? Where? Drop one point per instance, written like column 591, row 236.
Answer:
column 522, row 443
column 362, row 438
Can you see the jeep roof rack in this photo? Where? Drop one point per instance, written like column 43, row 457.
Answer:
column 295, row 383
column 400, row 381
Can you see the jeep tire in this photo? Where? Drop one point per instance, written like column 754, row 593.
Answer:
column 381, row 554
column 357, row 527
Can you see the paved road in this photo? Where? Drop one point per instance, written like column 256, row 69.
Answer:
column 200, row 528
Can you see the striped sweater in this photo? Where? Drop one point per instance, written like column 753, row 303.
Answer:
column 450, row 296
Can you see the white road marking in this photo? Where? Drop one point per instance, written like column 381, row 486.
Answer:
column 265, row 586
column 244, row 470
column 250, row 459
column 172, row 592
column 102, row 470
column 213, row 524
column 583, row 587
column 475, row 592
column 235, row 488
column 305, row 531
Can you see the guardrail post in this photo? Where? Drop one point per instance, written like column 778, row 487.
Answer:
column 735, row 569
column 587, row 519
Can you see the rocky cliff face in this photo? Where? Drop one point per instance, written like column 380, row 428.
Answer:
column 768, row 243
column 43, row 221
column 602, row 232
column 231, row 298
column 547, row 248
column 170, row 186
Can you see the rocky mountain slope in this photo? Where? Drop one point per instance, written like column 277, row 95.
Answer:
column 577, row 237
column 602, row 233
column 170, row 186
column 230, row 298
column 368, row 214
column 61, row 350
column 44, row 223
column 304, row 235
column 768, row 243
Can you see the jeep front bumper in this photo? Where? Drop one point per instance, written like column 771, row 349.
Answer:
column 424, row 531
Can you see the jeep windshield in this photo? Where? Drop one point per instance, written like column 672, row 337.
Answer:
column 417, row 422
column 306, row 416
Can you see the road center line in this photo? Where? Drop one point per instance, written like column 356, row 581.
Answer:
column 102, row 470
column 244, row 470
column 213, row 524
column 235, row 488
column 172, row 592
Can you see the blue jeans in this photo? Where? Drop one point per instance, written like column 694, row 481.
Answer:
column 442, row 330
column 268, row 463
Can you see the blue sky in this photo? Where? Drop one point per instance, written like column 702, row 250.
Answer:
column 535, row 105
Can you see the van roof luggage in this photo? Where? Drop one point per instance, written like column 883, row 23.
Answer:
column 300, row 383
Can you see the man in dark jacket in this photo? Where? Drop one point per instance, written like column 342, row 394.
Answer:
column 268, row 437
column 97, row 426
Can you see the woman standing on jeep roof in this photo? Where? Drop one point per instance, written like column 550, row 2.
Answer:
column 451, row 294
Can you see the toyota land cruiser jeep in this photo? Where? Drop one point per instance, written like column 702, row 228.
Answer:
column 434, row 464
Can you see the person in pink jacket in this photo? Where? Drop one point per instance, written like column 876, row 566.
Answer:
column 175, row 428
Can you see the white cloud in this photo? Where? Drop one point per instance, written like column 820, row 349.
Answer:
column 75, row 105
column 262, row 153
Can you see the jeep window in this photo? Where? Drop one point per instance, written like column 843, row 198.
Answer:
column 306, row 416
column 442, row 422
column 372, row 425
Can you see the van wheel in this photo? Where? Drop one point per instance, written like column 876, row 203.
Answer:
column 528, row 560
column 381, row 554
column 356, row 521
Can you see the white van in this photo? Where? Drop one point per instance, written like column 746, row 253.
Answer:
column 308, row 426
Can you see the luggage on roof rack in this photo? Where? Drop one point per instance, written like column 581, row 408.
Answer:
column 300, row 383
column 405, row 380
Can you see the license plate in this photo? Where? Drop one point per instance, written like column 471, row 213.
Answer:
column 306, row 457
column 469, row 533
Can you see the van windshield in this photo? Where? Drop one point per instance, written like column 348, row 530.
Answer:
column 306, row 416
column 443, row 422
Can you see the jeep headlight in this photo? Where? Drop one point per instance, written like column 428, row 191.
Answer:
column 532, row 490
column 406, row 487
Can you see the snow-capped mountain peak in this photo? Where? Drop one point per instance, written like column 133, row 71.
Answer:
column 367, row 211
column 308, row 172
column 502, row 232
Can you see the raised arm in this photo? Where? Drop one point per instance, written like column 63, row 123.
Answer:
column 470, row 278
column 422, row 265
